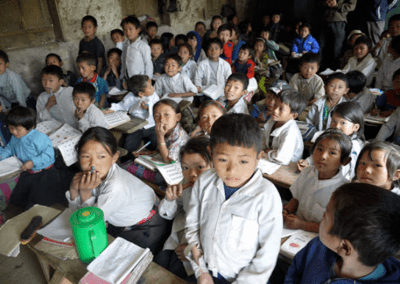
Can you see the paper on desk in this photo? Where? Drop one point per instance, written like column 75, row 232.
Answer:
column 10, row 232
column 49, row 126
column 267, row 167
column 371, row 118
column 116, row 118
column 114, row 91
column 214, row 91
column 328, row 72
column 59, row 229
column 65, row 140
column 286, row 232
column 10, row 165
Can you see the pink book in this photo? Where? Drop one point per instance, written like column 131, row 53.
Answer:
column 90, row 278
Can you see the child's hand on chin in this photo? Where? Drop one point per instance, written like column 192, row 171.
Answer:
column 161, row 129
column 85, row 181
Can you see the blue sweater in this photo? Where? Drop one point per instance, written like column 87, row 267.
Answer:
column 305, row 44
column 313, row 265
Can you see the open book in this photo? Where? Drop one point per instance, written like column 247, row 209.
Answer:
column 9, row 166
column 267, row 167
column 214, row 91
column 114, row 91
column 116, row 118
column 296, row 242
column 376, row 119
column 65, row 140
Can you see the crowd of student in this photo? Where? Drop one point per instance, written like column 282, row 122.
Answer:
column 227, row 218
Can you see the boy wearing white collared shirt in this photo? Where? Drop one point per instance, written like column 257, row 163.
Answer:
column 235, row 89
column 390, row 64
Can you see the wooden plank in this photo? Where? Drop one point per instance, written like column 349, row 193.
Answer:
column 284, row 176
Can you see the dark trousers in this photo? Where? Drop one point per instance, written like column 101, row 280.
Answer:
column 331, row 42
column 133, row 140
column 170, row 261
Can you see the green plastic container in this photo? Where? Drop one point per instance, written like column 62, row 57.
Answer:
column 89, row 230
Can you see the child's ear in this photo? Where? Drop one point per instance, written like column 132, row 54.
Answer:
column 141, row 94
column 356, row 127
column 294, row 115
column 115, row 157
column 222, row 51
column 347, row 90
column 178, row 117
column 244, row 92
column 259, row 156
column 93, row 68
column 7, row 64
column 93, row 101
column 396, row 175
column 62, row 81
column 61, row 64
column 345, row 248
column 348, row 159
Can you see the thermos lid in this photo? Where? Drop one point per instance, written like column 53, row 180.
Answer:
column 86, row 217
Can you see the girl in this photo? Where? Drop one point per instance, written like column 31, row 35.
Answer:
column 314, row 186
column 265, row 49
column 305, row 42
column 195, row 159
column 216, row 22
column 194, row 39
column 129, row 205
column 209, row 112
column 379, row 164
column 189, row 67
column 168, row 43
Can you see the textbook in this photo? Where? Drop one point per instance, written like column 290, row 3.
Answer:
column 267, row 167
column 9, row 166
column 296, row 242
column 65, row 140
column 376, row 119
column 116, row 118
column 214, row 91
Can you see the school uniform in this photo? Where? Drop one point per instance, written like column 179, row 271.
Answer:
column 382, row 51
column 158, row 64
column 246, row 68
column 312, row 88
column 12, row 89
column 239, row 233
column 92, row 117
column 239, row 107
column 396, row 190
column 287, row 143
column 316, row 114
column 308, row 44
column 392, row 126
column 180, row 83
column 366, row 66
column 136, row 59
column 189, row 69
column 205, row 75
column 385, row 73
column 314, row 194
column 365, row 99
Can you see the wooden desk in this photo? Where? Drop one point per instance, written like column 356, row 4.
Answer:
column 284, row 176
column 131, row 126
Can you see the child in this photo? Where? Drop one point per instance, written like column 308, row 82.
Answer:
column 307, row 82
column 157, row 56
column 358, row 91
column 136, row 55
column 151, row 31
column 173, row 84
column 237, row 44
column 209, row 112
column 180, row 39
column 276, row 26
column 242, row 244
column 200, row 28
column 391, row 127
column 389, row 101
column 139, row 102
column 13, row 90
column 224, row 34
column 194, row 39
column 87, row 114
column 196, row 159
column 390, row 64
column 168, row 42
column 91, row 43
column 358, row 238
column 362, row 59
column 264, row 50
column 246, row 31
column 270, row 45
column 305, row 42
column 87, row 68
column 245, row 64
column 283, row 140
column 351, row 39
column 233, row 20
column 189, row 66
column 382, row 48
column 314, row 186
column 235, row 88
column 112, row 73
column 129, row 205
column 216, row 22
column 56, row 101
column 118, row 38
column 336, row 87
column 379, row 164
column 69, row 77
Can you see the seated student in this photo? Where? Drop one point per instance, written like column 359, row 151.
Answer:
column 209, row 112
column 87, row 114
column 151, row 31
column 246, row 31
column 362, row 59
column 56, row 101
column 264, row 50
column 157, row 56
column 315, row 184
column 233, row 19
column 391, row 128
column 382, row 50
column 351, row 39
column 224, row 34
column 180, row 39
column 189, row 66
column 336, row 87
column 112, row 74
column 390, row 64
column 245, row 245
column 283, row 140
column 195, row 158
column 139, row 102
column 129, row 205
column 358, row 238
column 13, row 90
column 236, row 42
column 200, row 28
column 173, row 84
column 305, row 42
column 118, row 38
column 216, row 22
column 87, row 68
column 275, row 26
column 168, row 42
column 245, row 64
column 235, row 89
column 307, row 82
column 69, row 77
column 389, row 101
column 194, row 39
column 358, row 91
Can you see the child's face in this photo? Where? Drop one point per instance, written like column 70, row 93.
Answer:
column 200, row 29
column 326, row 225
column 166, row 116
column 172, row 67
column 52, row 60
column 94, row 154
column 171, row 43
column 89, row 29
column 131, row 32
column 51, row 82
column 360, row 50
column 114, row 59
column 326, row 158
column 282, row 112
column 214, row 51
column 384, row 35
column 265, row 35
column 372, row 169
column 335, row 89
column 393, row 52
column 396, row 85
column 116, row 37
column 235, row 21
column 344, row 125
column 304, row 32
column 244, row 55
column 18, row 131
column 234, row 90
column 86, row 70
column 156, row 50
column 394, row 28
column 266, row 20
column 224, row 36
column 192, row 166
column 82, row 101
column 3, row 66
column 259, row 47
column 208, row 116
column 148, row 91
column 216, row 24
column 308, row 70
column 192, row 42
column 276, row 18
column 184, row 54
column 235, row 165
column 152, row 32
column 270, row 102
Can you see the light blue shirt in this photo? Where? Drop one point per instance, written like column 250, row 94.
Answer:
column 34, row 146
column 12, row 89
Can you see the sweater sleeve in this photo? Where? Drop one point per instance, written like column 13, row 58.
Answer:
column 314, row 46
column 346, row 6
column 45, row 152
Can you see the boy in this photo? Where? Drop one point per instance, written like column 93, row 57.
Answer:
column 173, row 84
column 200, row 28
column 307, row 82
column 234, row 219
column 91, row 43
column 235, row 89
column 157, row 56
column 245, row 64
column 55, row 59
column 275, row 26
column 56, row 101
column 87, row 67
column 151, row 31
column 283, row 140
column 224, row 34
column 118, row 38
column 112, row 73
column 358, row 237
column 86, row 113
column 13, row 90
column 390, row 64
column 136, row 54
column 382, row 48
column 358, row 92
column 389, row 101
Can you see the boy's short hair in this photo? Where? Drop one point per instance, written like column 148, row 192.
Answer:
column 215, row 40
column 131, row 20
column 200, row 23
column 137, row 83
column 241, row 77
column 188, row 46
column 393, row 18
column 89, row 58
column 356, row 81
column 175, row 57
column 89, row 18
column 117, row 31
column 114, row 50
column 395, row 74
column 4, row 56
column 197, row 145
column 230, row 18
column 156, row 41
column 305, row 25
column 24, row 116
column 310, row 57
column 85, row 88
column 225, row 27
column 53, row 55
column 294, row 100
column 180, row 37
column 338, row 75
column 236, row 129
column 395, row 44
column 53, row 70
column 265, row 29
column 368, row 217
column 260, row 39
column 151, row 24
column 364, row 40
column 248, row 47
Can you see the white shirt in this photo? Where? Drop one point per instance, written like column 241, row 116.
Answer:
column 63, row 111
column 136, row 59
column 315, row 115
column 314, row 194
column 384, row 76
column 203, row 74
column 396, row 190
column 365, row 98
column 287, row 142
column 312, row 88
column 239, row 107
column 189, row 69
column 93, row 117
column 390, row 127
column 124, row 199
column 240, row 237
column 180, row 83
column 366, row 66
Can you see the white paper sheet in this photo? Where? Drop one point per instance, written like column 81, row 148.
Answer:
column 214, row 91
column 267, row 167
column 10, row 165
column 65, row 140
column 47, row 127
column 60, row 229
column 114, row 91
column 116, row 118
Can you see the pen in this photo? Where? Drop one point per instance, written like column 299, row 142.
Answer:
column 92, row 171
column 145, row 145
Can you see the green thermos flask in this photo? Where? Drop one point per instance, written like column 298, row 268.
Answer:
column 89, row 230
